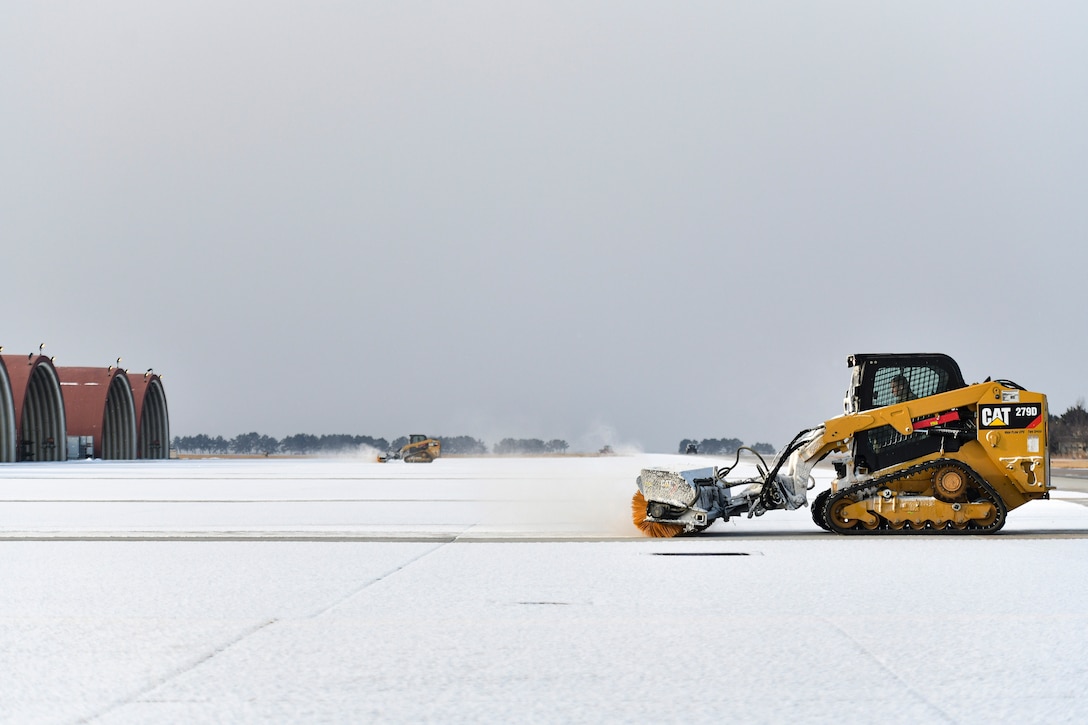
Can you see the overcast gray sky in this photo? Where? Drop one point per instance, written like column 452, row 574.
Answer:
column 624, row 222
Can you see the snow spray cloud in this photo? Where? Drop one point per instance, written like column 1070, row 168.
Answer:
column 548, row 495
column 601, row 436
column 360, row 452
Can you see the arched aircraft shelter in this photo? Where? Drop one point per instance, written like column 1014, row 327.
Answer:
column 99, row 406
column 39, row 426
column 152, row 417
column 7, row 417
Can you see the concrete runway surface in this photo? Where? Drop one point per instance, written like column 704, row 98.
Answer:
column 468, row 591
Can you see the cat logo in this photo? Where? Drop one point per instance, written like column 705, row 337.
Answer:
column 995, row 416
column 1011, row 417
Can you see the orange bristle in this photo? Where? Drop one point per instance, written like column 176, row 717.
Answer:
column 650, row 528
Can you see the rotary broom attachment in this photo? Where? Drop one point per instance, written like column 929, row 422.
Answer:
column 667, row 503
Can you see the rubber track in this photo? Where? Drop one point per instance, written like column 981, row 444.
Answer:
column 819, row 516
column 870, row 487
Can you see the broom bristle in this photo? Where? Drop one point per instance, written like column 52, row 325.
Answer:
column 651, row 528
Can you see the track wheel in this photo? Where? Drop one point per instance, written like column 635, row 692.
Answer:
column 651, row 528
column 836, row 518
column 950, row 484
column 988, row 519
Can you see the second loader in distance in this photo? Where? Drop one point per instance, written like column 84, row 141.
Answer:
column 418, row 449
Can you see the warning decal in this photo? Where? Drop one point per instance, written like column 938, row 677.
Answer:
column 1010, row 416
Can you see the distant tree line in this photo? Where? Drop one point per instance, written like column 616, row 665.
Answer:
column 528, row 446
column 255, row 443
column 1069, row 432
column 722, row 446
column 303, row 444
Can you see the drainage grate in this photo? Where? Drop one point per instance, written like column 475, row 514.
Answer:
column 700, row 553
column 550, row 604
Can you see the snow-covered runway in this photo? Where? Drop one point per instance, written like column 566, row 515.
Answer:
column 491, row 589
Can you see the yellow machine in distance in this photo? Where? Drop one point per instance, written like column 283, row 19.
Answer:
column 418, row 449
column 917, row 451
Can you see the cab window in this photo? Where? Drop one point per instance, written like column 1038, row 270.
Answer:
column 899, row 383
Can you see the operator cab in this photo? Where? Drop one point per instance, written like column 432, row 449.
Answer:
column 889, row 379
column 875, row 375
